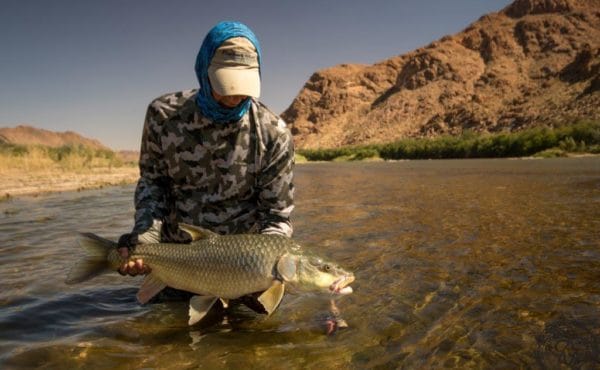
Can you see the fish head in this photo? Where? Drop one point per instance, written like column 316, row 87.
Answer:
column 313, row 274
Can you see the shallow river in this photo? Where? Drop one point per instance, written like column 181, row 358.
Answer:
column 463, row 264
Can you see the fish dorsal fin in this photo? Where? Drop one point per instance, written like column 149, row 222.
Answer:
column 197, row 232
column 271, row 298
column 199, row 307
column 286, row 267
column 151, row 286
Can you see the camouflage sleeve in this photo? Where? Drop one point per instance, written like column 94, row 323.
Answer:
column 151, row 191
column 276, row 194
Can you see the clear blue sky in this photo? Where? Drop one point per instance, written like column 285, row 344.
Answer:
column 93, row 66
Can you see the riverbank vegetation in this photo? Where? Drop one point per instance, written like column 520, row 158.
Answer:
column 72, row 158
column 582, row 137
column 36, row 169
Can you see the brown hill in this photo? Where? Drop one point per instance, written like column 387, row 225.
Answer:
column 129, row 156
column 27, row 135
column 536, row 62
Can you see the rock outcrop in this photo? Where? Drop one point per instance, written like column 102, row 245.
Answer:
column 537, row 62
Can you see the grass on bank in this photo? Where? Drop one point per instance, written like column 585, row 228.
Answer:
column 72, row 158
column 582, row 137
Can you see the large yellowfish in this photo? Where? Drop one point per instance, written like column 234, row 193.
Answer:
column 219, row 267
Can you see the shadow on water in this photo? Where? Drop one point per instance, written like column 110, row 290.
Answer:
column 29, row 320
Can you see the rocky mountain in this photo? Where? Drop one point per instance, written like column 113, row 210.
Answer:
column 536, row 62
column 27, row 135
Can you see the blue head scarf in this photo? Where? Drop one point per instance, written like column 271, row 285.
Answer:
column 205, row 101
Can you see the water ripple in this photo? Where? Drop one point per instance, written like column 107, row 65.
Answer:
column 463, row 264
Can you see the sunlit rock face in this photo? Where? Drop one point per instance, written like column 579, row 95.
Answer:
column 536, row 62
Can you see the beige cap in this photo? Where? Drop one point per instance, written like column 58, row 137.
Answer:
column 234, row 68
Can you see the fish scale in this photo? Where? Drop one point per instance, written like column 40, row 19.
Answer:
column 227, row 267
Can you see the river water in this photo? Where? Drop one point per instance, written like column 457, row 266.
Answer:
column 459, row 263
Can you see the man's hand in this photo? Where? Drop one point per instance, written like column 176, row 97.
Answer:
column 131, row 268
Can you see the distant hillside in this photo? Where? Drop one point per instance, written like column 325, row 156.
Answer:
column 27, row 135
column 536, row 62
column 129, row 156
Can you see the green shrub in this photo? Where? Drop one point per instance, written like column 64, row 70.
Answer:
column 13, row 149
column 580, row 137
column 365, row 153
column 69, row 157
column 551, row 153
column 568, row 144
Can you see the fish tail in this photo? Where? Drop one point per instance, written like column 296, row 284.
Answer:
column 96, row 261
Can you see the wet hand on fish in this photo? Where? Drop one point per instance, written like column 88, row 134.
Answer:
column 131, row 267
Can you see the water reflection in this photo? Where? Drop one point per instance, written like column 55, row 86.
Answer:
column 483, row 263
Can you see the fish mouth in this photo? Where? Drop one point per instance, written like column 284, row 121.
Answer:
column 342, row 285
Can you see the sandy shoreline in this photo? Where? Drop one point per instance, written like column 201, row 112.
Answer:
column 20, row 183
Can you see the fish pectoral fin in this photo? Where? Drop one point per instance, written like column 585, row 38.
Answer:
column 151, row 286
column 271, row 298
column 199, row 307
column 196, row 232
column 287, row 266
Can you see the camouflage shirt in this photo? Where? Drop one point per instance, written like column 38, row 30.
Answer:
column 230, row 178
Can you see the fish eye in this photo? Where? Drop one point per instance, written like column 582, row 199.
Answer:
column 326, row 268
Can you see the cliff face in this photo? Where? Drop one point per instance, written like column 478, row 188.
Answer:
column 537, row 62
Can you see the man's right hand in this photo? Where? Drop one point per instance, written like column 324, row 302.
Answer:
column 135, row 267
